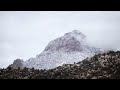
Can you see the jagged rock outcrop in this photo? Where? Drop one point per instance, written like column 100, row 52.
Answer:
column 17, row 63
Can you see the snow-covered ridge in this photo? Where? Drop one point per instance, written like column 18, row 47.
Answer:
column 72, row 41
column 70, row 48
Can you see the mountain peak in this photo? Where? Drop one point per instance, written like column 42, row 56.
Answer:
column 17, row 63
column 69, row 48
column 71, row 41
column 76, row 33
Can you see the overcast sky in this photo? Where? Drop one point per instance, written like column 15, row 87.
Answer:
column 25, row 34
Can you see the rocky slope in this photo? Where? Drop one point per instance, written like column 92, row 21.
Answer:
column 100, row 66
column 70, row 48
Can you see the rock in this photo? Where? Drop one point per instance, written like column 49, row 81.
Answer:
column 94, row 78
column 17, row 63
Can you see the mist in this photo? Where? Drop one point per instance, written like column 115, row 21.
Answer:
column 24, row 34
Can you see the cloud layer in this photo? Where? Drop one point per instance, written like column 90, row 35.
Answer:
column 25, row 34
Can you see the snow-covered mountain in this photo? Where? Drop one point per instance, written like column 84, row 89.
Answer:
column 70, row 48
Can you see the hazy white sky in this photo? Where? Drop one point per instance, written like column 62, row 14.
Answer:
column 25, row 34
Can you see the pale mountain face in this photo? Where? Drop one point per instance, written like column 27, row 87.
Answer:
column 68, row 43
column 70, row 48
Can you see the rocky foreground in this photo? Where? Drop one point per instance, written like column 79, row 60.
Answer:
column 100, row 66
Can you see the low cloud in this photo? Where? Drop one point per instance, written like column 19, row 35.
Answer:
column 26, row 34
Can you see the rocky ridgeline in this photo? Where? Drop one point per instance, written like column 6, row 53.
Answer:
column 100, row 66
column 67, row 49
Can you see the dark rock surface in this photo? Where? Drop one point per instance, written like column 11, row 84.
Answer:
column 17, row 63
